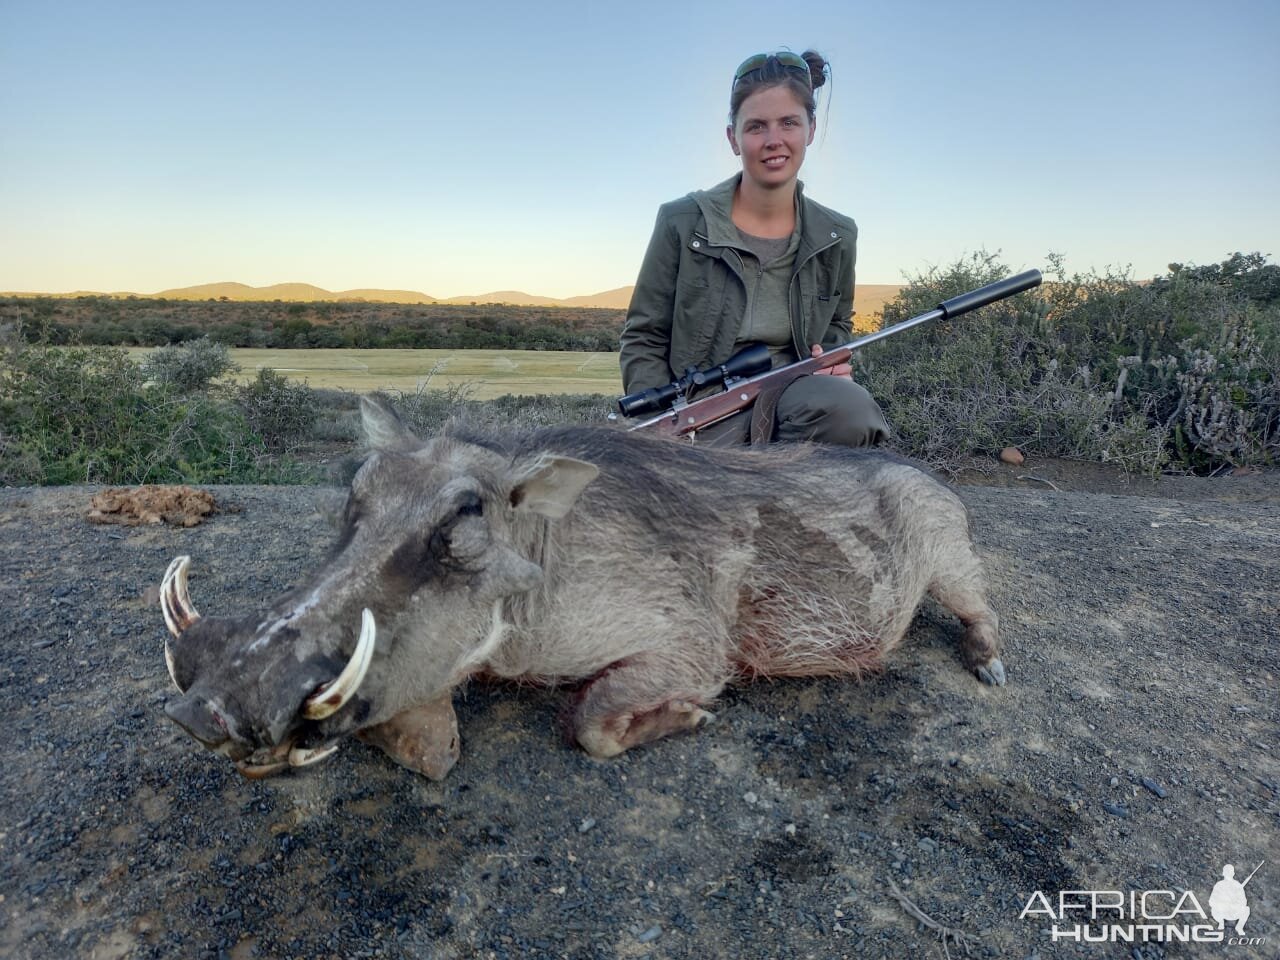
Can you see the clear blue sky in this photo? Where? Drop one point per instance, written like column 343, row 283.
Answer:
column 466, row 147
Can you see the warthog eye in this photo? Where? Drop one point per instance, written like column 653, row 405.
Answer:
column 471, row 506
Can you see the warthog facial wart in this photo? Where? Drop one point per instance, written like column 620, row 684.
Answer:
column 649, row 573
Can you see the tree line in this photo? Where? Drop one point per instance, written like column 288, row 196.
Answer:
column 145, row 322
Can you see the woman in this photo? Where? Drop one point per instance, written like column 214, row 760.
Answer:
column 753, row 260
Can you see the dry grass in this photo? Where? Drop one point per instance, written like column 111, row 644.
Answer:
column 485, row 374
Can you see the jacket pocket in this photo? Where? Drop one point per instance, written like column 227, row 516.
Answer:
column 700, row 321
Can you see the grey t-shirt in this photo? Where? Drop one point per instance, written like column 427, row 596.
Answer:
column 769, row 262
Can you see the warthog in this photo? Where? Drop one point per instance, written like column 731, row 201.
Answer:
column 648, row 571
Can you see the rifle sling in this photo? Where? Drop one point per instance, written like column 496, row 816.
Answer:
column 765, row 409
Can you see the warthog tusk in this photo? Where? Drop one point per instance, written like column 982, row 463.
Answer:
column 333, row 696
column 168, row 662
column 256, row 771
column 175, row 604
column 300, row 758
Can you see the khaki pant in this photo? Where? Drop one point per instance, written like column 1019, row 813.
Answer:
column 819, row 408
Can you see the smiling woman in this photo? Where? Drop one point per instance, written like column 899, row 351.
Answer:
column 753, row 261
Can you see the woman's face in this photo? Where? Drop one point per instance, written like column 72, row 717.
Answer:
column 770, row 135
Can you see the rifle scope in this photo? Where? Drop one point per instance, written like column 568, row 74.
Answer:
column 745, row 363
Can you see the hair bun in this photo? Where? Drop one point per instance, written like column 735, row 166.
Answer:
column 818, row 67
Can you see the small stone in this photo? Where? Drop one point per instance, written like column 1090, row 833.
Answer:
column 1115, row 781
column 750, row 797
column 650, row 935
column 586, row 825
column 789, row 829
column 1154, row 787
column 1116, row 810
column 1012, row 456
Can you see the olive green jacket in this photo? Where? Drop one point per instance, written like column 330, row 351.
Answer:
column 690, row 297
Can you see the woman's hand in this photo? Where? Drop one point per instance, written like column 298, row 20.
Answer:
column 839, row 370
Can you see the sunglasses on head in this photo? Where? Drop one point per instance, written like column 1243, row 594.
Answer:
column 784, row 57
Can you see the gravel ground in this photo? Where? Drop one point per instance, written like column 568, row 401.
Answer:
column 1135, row 748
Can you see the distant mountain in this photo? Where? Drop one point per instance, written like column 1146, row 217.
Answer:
column 289, row 291
column 869, row 298
column 516, row 298
column 612, row 299
column 384, row 296
column 619, row 298
column 121, row 294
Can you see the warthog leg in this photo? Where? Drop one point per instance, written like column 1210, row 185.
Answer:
column 620, row 710
column 961, row 589
column 424, row 739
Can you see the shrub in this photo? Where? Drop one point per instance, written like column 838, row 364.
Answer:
column 189, row 367
column 1183, row 371
column 87, row 415
column 280, row 411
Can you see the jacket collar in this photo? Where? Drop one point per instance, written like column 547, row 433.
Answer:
column 817, row 229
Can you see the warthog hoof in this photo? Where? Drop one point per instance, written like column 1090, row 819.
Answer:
column 991, row 673
column 424, row 739
column 628, row 730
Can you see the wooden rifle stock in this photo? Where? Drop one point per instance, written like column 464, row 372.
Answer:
column 686, row 419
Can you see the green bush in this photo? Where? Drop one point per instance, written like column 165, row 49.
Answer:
column 279, row 410
column 1181, row 372
column 88, row 415
column 189, row 367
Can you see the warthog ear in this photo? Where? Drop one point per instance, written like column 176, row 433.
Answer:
column 383, row 428
column 550, row 485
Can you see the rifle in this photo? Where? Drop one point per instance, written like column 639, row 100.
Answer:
column 746, row 378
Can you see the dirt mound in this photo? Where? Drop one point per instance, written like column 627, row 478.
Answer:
column 176, row 506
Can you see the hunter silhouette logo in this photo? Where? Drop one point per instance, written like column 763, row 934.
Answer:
column 1147, row 916
column 1228, row 900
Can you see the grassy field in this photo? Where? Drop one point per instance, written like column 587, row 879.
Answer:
column 485, row 373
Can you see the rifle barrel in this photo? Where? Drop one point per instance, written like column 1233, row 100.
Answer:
column 990, row 293
column 954, row 307
column 1255, row 870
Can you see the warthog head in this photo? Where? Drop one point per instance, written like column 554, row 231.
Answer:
column 407, row 604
